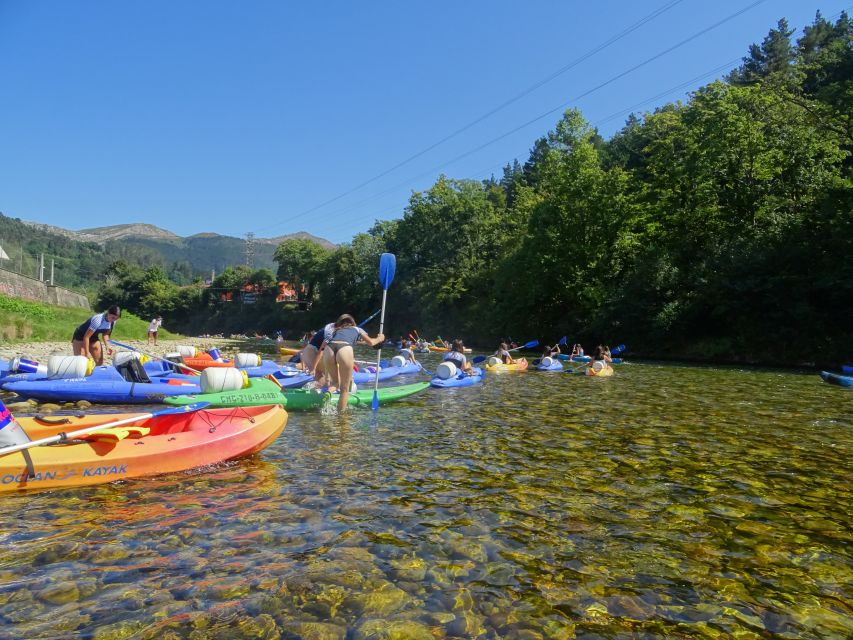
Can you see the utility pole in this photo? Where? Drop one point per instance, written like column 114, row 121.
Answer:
column 51, row 271
column 41, row 267
column 250, row 249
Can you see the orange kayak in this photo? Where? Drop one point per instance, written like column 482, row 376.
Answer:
column 203, row 361
column 445, row 349
column 154, row 445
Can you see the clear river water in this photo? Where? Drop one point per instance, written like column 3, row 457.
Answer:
column 664, row 502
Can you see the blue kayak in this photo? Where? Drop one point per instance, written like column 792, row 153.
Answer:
column 834, row 378
column 847, row 368
column 556, row 365
column 105, row 385
column 460, row 379
column 361, row 377
column 292, row 379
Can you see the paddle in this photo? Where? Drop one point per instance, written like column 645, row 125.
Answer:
column 364, row 322
column 562, row 341
column 615, row 351
column 156, row 357
column 528, row 345
column 387, row 267
column 62, row 437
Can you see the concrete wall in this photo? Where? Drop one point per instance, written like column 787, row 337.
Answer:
column 17, row 286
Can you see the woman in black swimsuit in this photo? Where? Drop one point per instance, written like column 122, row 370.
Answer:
column 338, row 356
column 87, row 338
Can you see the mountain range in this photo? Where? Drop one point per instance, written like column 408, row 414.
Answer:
column 203, row 251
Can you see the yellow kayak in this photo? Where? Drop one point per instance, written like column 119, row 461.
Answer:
column 599, row 372
column 520, row 364
column 445, row 349
column 288, row 351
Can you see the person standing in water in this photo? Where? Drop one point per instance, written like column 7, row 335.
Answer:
column 90, row 338
column 339, row 355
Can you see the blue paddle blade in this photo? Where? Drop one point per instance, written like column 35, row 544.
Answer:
column 531, row 344
column 387, row 268
column 563, row 340
column 375, row 403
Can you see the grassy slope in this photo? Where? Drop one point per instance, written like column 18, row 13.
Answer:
column 25, row 321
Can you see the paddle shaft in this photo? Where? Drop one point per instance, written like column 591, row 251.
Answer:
column 379, row 352
column 72, row 434
column 156, row 357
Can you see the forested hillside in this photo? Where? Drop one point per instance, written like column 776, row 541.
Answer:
column 720, row 227
column 717, row 227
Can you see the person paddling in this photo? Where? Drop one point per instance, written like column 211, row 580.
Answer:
column 339, row 355
column 456, row 355
column 551, row 352
column 90, row 338
column 504, row 354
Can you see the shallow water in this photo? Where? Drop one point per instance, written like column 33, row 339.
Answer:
column 667, row 501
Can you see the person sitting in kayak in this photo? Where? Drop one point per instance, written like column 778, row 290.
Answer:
column 504, row 354
column 339, row 356
column 606, row 352
column 577, row 349
column 598, row 356
column 551, row 352
column 456, row 355
column 406, row 351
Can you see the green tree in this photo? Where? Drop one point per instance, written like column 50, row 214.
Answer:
column 300, row 262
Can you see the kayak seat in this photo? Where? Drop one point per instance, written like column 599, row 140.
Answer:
column 115, row 434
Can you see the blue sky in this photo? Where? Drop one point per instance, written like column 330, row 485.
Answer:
column 269, row 116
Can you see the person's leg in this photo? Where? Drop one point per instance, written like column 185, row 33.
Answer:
column 96, row 352
column 155, row 338
column 77, row 347
column 345, row 359
column 308, row 356
column 330, row 367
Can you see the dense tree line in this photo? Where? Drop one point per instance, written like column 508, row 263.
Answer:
column 717, row 227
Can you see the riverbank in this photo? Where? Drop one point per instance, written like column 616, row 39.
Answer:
column 41, row 351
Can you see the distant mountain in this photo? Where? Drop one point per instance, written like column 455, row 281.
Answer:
column 203, row 252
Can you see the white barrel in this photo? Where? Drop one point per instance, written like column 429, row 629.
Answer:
column 398, row 361
column 122, row 357
column 243, row 360
column 69, row 366
column 598, row 366
column 446, row 370
column 352, row 386
column 547, row 361
column 406, row 353
column 186, row 351
column 216, row 379
column 494, row 360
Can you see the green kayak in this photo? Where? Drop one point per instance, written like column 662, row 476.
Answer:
column 264, row 391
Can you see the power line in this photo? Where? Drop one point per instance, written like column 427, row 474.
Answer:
column 503, row 105
column 561, row 106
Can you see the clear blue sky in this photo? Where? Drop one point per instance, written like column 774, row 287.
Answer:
column 234, row 117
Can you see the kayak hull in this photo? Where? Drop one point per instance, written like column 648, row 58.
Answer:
column 554, row 366
column 105, row 386
column 837, row 379
column 173, row 443
column 261, row 391
column 520, row 365
column 460, row 380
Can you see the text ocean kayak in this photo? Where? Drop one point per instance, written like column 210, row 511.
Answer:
column 159, row 444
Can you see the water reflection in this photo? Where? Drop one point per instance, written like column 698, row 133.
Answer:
column 663, row 502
